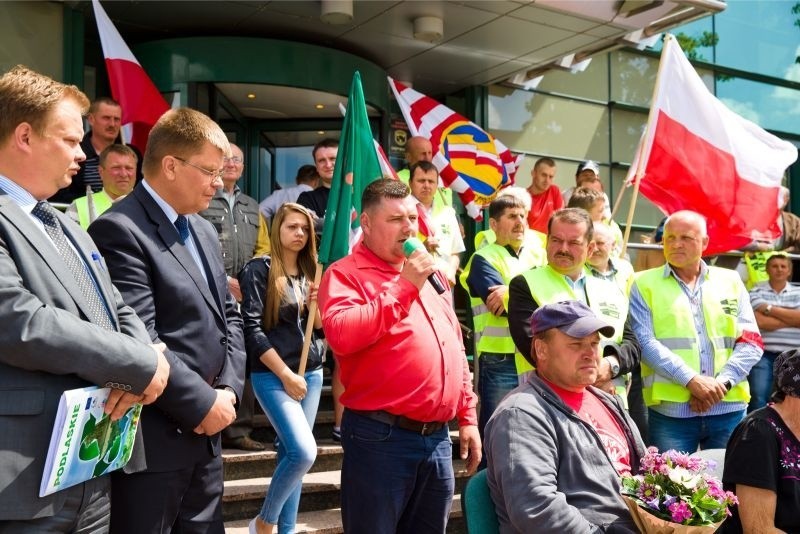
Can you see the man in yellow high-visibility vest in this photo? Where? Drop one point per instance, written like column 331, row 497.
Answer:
column 569, row 243
column 117, row 169
column 699, row 341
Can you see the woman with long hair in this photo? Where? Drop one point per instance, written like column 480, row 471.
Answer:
column 276, row 292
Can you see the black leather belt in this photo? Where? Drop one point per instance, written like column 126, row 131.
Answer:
column 400, row 421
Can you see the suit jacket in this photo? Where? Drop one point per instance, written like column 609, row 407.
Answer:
column 48, row 345
column 198, row 321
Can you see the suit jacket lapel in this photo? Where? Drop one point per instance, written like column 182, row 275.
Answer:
column 50, row 255
column 169, row 235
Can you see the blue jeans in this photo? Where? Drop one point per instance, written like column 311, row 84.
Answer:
column 394, row 480
column 760, row 379
column 297, row 448
column 497, row 375
column 686, row 434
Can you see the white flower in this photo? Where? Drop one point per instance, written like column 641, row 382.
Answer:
column 681, row 475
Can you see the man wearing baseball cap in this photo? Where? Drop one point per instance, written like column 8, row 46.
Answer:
column 556, row 446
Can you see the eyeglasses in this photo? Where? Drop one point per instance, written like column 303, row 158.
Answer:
column 235, row 160
column 214, row 175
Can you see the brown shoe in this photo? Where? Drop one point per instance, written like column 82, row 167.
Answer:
column 244, row 443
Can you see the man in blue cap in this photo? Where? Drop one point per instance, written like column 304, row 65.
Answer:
column 556, row 446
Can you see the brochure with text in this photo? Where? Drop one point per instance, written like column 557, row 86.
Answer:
column 86, row 443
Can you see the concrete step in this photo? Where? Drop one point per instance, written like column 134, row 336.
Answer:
column 262, row 429
column 243, row 498
column 330, row 521
column 239, row 465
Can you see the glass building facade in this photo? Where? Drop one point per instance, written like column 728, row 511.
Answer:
column 747, row 55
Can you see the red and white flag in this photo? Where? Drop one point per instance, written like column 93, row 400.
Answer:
column 142, row 103
column 699, row 155
column 471, row 162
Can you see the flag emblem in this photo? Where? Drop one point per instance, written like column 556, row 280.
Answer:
column 472, row 154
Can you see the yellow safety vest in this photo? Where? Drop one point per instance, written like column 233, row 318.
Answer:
column 547, row 286
column 101, row 202
column 674, row 328
column 491, row 331
column 756, row 263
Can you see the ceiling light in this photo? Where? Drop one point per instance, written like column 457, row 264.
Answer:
column 336, row 12
column 319, row 106
column 428, row 29
column 251, row 96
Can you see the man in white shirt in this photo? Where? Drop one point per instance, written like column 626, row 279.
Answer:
column 441, row 235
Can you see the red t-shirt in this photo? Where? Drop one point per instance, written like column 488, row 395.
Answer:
column 596, row 414
column 542, row 206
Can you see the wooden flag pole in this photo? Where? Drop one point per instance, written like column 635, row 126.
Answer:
column 312, row 313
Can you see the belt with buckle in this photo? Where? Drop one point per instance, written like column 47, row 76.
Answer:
column 400, row 421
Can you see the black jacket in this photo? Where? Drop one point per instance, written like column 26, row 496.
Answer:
column 286, row 337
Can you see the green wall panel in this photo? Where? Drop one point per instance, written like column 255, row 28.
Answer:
column 173, row 62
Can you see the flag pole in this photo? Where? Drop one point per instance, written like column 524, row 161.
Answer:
column 312, row 313
column 640, row 167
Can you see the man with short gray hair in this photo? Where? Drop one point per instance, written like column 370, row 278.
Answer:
column 699, row 340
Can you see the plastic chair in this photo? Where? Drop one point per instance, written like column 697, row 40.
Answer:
column 477, row 505
column 717, row 456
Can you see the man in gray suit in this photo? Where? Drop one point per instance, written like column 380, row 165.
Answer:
column 64, row 325
column 167, row 263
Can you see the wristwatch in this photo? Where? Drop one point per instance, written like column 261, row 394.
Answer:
column 768, row 309
column 728, row 384
column 614, row 364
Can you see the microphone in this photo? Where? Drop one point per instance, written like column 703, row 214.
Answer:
column 412, row 244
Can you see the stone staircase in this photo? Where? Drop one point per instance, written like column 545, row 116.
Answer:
column 248, row 475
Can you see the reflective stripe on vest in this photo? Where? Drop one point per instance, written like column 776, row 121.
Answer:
column 491, row 331
column 674, row 327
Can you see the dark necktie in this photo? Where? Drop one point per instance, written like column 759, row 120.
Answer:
column 182, row 224
column 98, row 312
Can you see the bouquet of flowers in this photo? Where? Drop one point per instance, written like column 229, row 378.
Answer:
column 675, row 494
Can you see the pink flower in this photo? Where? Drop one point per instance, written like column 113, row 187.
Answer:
column 680, row 511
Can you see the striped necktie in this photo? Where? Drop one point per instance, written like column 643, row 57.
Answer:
column 97, row 309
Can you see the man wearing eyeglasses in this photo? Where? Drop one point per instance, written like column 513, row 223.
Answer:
column 166, row 261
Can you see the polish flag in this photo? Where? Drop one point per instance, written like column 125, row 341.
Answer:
column 698, row 155
column 142, row 103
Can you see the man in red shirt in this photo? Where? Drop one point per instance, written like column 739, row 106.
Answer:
column 545, row 196
column 398, row 344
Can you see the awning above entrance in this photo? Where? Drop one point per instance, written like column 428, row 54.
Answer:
column 438, row 46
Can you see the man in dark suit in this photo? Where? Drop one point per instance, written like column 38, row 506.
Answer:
column 167, row 263
column 64, row 325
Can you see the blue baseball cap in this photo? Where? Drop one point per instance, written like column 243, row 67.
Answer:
column 572, row 317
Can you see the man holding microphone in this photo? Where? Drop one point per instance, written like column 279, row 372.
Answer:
column 399, row 346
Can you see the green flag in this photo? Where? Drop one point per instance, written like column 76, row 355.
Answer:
column 356, row 166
